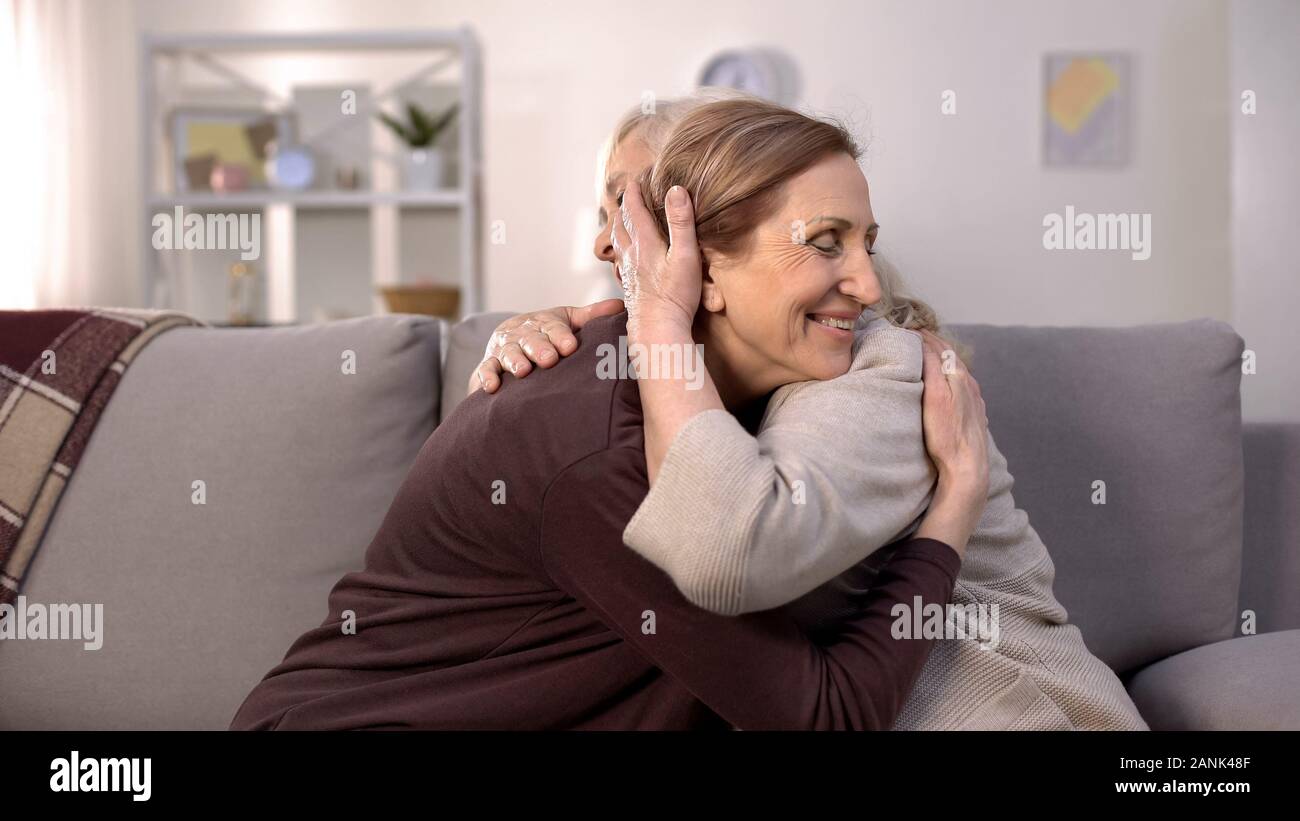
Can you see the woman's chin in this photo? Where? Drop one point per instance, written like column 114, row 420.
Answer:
column 840, row 367
column 832, row 351
column 827, row 365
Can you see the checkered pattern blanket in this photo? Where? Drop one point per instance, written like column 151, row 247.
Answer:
column 57, row 372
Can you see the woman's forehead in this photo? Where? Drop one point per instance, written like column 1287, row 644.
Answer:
column 629, row 158
column 835, row 183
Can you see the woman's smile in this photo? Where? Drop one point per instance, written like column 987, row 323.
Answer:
column 839, row 325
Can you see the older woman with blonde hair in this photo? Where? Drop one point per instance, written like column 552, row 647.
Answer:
column 790, row 514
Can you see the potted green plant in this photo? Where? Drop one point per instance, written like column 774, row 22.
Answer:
column 423, row 162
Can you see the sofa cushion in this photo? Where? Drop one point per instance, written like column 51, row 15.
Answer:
column 299, row 461
column 1246, row 683
column 1154, row 412
column 465, row 344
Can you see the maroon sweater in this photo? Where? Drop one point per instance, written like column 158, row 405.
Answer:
column 498, row 593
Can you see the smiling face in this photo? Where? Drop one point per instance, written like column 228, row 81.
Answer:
column 782, row 309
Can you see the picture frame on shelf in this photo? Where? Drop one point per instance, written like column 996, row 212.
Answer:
column 206, row 138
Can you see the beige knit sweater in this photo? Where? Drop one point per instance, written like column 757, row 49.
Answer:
column 838, row 470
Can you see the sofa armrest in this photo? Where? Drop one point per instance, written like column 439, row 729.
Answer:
column 1246, row 683
column 1270, row 559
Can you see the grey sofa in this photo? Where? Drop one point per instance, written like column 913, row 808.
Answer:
column 299, row 460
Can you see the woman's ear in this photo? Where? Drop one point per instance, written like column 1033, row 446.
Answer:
column 711, row 293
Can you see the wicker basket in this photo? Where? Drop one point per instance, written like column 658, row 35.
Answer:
column 433, row 300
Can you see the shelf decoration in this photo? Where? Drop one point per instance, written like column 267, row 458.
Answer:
column 241, row 299
column 204, row 139
column 423, row 162
column 422, row 297
column 228, row 177
column 292, row 168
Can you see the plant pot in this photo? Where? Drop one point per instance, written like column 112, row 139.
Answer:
column 422, row 169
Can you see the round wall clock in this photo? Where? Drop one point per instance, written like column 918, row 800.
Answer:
column 762, row 72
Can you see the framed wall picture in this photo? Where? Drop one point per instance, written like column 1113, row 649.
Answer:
column 1086, row 109
column 204, row 138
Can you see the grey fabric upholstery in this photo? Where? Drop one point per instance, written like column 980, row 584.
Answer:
column 1246, row 683
column 300, row 463
column 1154, row 412
column 1270, row 572
column 465, row 346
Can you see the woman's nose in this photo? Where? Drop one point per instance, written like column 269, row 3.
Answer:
column 860, row 280
column 602, row 247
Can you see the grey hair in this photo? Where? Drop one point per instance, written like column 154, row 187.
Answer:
column 654, row 120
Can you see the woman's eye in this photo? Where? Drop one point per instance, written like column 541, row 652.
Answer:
column 827, row 245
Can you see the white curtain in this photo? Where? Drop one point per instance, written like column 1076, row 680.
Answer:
column 67, row 170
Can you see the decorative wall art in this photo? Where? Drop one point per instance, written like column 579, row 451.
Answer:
column 1086, row 109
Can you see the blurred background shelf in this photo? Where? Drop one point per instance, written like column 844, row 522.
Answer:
column 311, row 199
column 327, row 249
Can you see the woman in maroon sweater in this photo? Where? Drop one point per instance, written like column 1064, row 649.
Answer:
column 498, row 594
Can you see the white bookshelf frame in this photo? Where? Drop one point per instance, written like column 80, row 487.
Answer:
column 466, row 199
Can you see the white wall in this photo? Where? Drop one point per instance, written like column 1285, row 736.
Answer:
column 1266, row 202
column 961, row 199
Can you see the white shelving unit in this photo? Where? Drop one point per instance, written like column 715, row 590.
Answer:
column 313, row 199
column 385, row 201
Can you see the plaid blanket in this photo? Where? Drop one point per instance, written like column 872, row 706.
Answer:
column 57, row 372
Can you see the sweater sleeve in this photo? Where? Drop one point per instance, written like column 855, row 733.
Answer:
column 838, row 470
column 758, row 671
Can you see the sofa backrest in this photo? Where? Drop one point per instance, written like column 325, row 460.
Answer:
column 1154, row 413
column 299, row 461
column 465, row 342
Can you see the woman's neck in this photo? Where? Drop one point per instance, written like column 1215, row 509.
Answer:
column 735, row 378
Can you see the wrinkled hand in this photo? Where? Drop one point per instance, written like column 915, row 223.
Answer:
column 954, row 418
column 541, row 336
column 956, row 437
column 661, row 281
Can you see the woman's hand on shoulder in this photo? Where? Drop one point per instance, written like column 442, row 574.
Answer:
column 541, row 337
column 956, row 428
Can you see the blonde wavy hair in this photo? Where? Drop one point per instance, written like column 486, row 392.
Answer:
column 733, row 152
